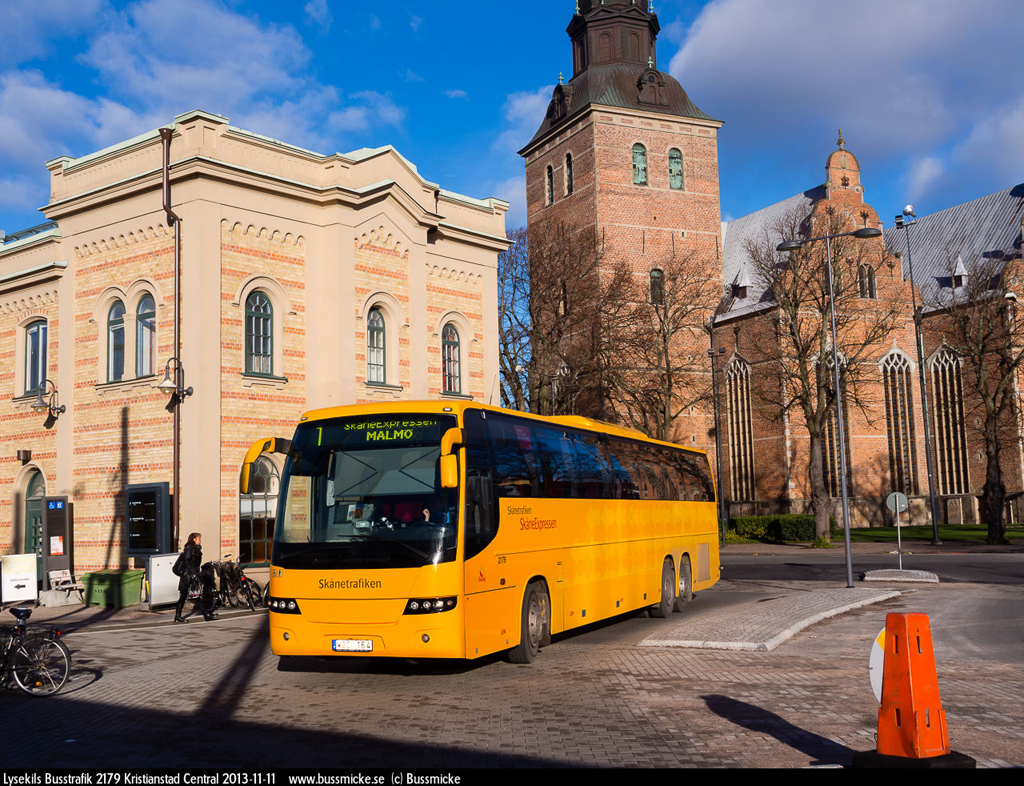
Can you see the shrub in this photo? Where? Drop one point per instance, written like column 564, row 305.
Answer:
column 780, row 528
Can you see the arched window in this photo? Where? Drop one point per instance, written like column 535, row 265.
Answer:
column 866, row 282
column 450, row 352
column 899, row 423
column 639, row 165
column 257, row 511
column 35, row 356
column 549, row 186
column 657, row 287
column 115, row 342
column 375, row 356
column 675, row 169
column 568, row 174
column 741, row 433
column 145, row 337
column 259, row 334
column 950, row 436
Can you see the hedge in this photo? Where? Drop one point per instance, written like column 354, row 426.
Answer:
column 782, row 527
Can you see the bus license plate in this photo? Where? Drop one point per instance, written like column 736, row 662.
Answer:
column 352, row 645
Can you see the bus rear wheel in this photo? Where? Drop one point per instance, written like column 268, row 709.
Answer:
column 685, row 584
column 535, row 626
column 668, row 591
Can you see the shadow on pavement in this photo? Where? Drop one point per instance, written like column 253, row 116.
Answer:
column 749, row 716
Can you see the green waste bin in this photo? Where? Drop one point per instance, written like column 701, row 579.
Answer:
column 113, row 588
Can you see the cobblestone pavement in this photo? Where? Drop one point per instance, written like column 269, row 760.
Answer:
column 147, row 693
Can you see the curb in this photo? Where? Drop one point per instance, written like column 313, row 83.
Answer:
column 774, row 641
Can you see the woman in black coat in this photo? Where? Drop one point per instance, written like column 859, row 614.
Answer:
column 192, row 555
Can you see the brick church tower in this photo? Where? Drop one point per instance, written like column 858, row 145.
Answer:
column 624, row 153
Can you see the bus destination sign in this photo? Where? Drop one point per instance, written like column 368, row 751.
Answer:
column 348, row 433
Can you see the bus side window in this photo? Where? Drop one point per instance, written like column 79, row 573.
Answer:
column 696, row 481
column 593, row 475
column 514, row 475
column 558, row 469
column 620, row 460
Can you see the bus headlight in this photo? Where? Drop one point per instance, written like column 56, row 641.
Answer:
column 430, row 605
column 284, row 606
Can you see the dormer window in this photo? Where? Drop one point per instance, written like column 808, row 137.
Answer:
column 741, row 285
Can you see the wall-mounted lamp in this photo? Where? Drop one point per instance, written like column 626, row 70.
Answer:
column 174, row 386
column 49, row 404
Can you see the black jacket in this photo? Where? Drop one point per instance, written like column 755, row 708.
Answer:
column 193, row 562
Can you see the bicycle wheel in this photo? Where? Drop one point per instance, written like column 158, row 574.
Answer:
column 257, row 591
column 246, row 593
column 41, row 666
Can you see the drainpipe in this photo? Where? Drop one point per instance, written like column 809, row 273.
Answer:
column 173, row 220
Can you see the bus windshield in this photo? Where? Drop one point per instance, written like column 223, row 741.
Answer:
column 365, row 493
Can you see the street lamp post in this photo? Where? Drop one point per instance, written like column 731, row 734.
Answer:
column 793, row 245
column 933, row 501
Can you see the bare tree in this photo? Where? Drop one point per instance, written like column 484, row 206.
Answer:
column 978, row 312
column 550, row 293
column 658, row 363
column 514, row 320
column 799, row 345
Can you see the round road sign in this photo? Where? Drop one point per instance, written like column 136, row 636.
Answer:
column 896, row 502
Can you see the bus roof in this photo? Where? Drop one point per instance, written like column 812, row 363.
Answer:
column 458, row 407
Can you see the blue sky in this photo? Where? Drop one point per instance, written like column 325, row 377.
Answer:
column 929, row 93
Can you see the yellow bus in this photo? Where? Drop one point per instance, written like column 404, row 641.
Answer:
column 457, row 530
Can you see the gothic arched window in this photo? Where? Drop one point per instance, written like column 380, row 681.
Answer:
column 899, row 422
column 568, row 174
column 741, row 432
column 549, row 186
column 950, row 437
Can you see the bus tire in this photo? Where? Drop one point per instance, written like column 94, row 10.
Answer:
column 668, row 591
column 535, row 626
column 685, row 584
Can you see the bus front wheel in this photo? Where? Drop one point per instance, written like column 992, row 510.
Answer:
column 668, row 591
column 535, row 626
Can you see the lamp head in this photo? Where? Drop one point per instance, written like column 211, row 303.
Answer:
column 790, row 245
column 909, row 211
column 1011, row 296
column 866, row 232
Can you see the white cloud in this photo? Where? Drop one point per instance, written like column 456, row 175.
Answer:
column 523, row 114
column 456, row 93
column 32, row 27
column 905, row 81
column 373, row 110
column 318, row 13
column 922, row 175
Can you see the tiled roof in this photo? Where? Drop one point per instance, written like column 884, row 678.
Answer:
column 757, row 227
column 984, row 228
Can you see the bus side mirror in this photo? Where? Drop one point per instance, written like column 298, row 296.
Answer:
column 451, row 439
column 260, row 446
column 449, row 471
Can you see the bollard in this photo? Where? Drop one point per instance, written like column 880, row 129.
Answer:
column 911, row 723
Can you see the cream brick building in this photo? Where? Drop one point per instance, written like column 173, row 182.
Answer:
column 307, row 280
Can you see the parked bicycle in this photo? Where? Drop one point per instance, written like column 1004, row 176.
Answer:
column 235, row 587
column 35, row 658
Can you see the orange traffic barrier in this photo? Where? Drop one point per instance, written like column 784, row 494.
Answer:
column 911, row 723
